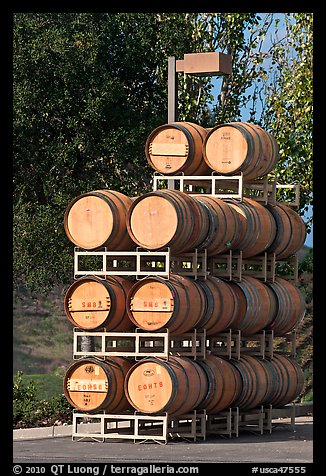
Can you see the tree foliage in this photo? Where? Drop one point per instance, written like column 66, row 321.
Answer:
column 288, row 111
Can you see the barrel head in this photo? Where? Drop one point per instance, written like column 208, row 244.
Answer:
column 151, row 305
column 153, row 222
column 88, row 304
column 225, row 149
column 87, row 386
column 149, row 387
column 89, row 222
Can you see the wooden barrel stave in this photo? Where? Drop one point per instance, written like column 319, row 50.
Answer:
column 168, row 218
column 255, row 384
column 290, row 306
column 289, row 380
column 257, row 305
column 222, row 306
column 258, row 224
column 290, row 231
column 225, row 225
column 225, row 384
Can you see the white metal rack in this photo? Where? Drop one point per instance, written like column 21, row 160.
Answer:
column 140, row 344
column 124, row 263
column 231, row 266
column 161, row 428
column 194, row 344
column 140, row 264
column 263, row 189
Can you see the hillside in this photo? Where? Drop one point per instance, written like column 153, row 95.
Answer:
column 42, row 334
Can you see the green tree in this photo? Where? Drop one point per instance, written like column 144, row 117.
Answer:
column 288, row 111
column 88, row 90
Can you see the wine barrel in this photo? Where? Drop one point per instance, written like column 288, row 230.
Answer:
column 290, row 231
column 225, row 384
column 225, row 225
column 291, row 306
column 177, row 147
column 221, row 308
column 176, row 386
column 256, row 386
column 94, row 384
column 154, row 304
column 258, row 226
column 240, row 147
column 98, row 219
column 288, row 380
column 168, row 218
column 92, row 303
column 257, row 305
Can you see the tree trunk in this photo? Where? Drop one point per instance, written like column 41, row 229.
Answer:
column 87, row 344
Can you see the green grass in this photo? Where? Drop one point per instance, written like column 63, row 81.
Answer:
column 47, row 385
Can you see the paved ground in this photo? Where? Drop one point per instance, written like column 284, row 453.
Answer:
column 281, row 446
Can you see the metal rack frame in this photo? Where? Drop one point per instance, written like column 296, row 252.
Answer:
column 258, row 419
column 232, row 344
column 262, row 189
column 135, row 259
column 192, row 264
column 235, row 183
column 232, row 266
column 140, row 427
column 224, row 423
column 194, row 344
column 142, row 344
column 162, row 428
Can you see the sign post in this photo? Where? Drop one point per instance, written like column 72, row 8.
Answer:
column 195, row 64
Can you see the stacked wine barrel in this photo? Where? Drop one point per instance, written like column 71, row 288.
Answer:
column 186, row 223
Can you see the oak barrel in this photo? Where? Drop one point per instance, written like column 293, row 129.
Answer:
column 176, row 386
column 225, row 384
column 93, row 303
column 258, row 226
column 291, row 306
column 177, row 147
column 98, row 219
column 240, row 147
column 168, row 218
column 95, row 384
column 290, row 231
column 225, row 225
column 221, row 308
column 256, row 385
column 288, row 380
column 257, row 305
column 177, row 304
